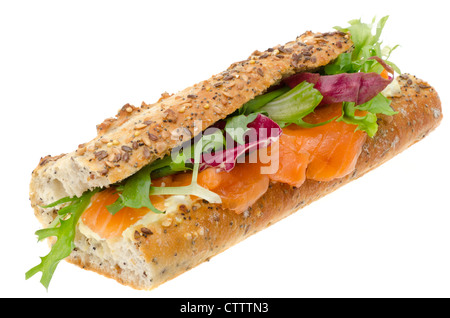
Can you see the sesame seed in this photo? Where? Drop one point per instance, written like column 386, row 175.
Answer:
column 140, row 126
column 227, row 94
column 167, row 222
column 161, row 147
column 146, row 139
column 81, row 151
column 109, row 164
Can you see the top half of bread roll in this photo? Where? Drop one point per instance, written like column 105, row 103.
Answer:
column 138, row 136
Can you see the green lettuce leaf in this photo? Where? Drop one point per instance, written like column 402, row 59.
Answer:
column 60, row 201
column 135, row 193
column 236, row 126
column 64, row 228
column 366, row 45
column 368, row 123
column 293, row 106
column 255, row 104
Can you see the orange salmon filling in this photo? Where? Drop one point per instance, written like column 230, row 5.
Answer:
column 106, row 225
column 321, row 153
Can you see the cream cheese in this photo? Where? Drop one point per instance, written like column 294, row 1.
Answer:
column 171, row 204
column 392, row 90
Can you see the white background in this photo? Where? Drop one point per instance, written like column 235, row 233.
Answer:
column 67, row 65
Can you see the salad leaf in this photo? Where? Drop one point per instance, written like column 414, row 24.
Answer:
column 343, row 64
column 366, row 45
column 378, row 105
column 368, row 122
column 346, row 87
column 211, row 140
column 362, row 36
column 135, row 193
column 194, row 188
column 293, row 106
column 236, row 126
column 182, row 157
column 60, row 201
column 262, row 131
column 255, row 104
column 64, row 228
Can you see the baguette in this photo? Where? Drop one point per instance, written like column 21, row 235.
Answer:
column 208, row 229
column 161, row 247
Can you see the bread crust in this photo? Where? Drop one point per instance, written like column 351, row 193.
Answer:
column 138, row 136
column 207, row 230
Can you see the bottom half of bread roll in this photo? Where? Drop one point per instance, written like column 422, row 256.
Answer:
column 159, row 248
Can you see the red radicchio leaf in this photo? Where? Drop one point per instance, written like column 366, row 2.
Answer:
column 262, row 132
column 346, row 87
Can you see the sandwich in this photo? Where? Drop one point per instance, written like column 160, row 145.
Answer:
column 166, row 186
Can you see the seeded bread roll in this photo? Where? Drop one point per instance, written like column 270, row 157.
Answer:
column 156, row 250
column 139, row 136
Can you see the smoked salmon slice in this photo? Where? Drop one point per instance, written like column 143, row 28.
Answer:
column 106, row 225
column 292, row 162
column 239, row 188
column 334, row 148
